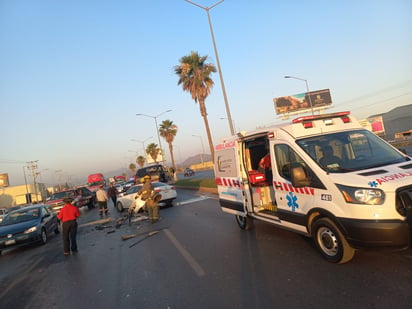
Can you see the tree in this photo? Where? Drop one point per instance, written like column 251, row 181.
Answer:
column 194, row 76
column 140, row 161
column 132, row 168
column 168, row 131
column 153, row 150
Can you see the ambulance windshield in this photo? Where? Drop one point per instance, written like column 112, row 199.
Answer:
column 350, row 151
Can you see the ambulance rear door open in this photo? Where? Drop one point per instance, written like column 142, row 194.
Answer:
column 228, row 179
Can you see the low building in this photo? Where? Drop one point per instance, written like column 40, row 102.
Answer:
column 390, row 123
column 22, row 194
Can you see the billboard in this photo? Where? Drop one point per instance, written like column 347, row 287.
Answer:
column 4, row 180
column 302, row 101
column 376, row 124
column 159, row 158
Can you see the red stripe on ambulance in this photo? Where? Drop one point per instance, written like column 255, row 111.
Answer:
column 283, row 186
column 228, row 182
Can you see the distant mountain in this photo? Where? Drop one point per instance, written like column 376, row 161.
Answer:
column 196, row 160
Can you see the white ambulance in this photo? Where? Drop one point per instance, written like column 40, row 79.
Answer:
column 326, row 178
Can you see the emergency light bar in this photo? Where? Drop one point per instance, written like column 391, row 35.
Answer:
column 325, row 116
column 307, row 121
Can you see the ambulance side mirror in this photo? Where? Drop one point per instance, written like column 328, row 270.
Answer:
column 299, row 176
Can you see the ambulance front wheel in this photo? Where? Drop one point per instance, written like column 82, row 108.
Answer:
column 245, row 222
column 331, row 242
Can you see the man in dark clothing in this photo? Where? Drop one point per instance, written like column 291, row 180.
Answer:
column 112, row 193
column 68, row 215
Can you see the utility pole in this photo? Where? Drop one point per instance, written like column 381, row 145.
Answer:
column 32, row 166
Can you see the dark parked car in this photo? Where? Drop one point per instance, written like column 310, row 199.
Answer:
column 188, row 172
column 27, row 225
column 124, row 186
column 157, row 171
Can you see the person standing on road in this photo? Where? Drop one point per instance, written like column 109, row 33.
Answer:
column 68, row 215
column 149, row 195
column 78, row 201
column 112, row 193
column 102, row 198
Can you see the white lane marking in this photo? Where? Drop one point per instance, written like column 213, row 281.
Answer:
column 186, row 255
column 193, row 200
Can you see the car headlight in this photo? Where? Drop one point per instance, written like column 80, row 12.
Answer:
column 367, row 196
column 30, row 230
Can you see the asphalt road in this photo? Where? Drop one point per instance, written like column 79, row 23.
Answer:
column 198, row 258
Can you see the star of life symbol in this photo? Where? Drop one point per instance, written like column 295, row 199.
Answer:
column 292, row 201
column 373, row 184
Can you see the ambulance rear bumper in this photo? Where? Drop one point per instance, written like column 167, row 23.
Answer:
column 377, row 233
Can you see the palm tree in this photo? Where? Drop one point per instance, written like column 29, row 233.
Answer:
column 132, row 168
column 140, row 160
column 168, row 131
column 194, row 76
column 153, row 150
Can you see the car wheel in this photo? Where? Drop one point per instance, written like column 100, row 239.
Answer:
column 43, row 236
column 169, row 203
column 330, row 241
column 119, row 207
column 244, row 222
column 57, row 229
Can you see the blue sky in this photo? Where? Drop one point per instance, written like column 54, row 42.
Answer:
column 75, row 73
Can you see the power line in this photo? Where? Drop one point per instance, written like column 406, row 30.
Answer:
column 7, row 161
column 375, row 93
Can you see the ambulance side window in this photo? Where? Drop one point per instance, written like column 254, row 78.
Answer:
column 286, row 157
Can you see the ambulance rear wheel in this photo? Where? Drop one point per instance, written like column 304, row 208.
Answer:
column 331, row 242
column 245, row 222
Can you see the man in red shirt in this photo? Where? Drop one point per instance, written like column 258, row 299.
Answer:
column 68, row 215
column 265, row 166
column 265, row 162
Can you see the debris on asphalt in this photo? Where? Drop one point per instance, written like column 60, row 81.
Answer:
column 119, row 222
column 101, row 221
column 102, row 227
column 145, row 237
column 124, row 237
column 140, row 218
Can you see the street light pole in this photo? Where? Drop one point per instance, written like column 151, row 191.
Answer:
column 144, row 149
column 207, row 9
column 307, row 89
column 157, row 129
column 233, row 121
column 203, row 149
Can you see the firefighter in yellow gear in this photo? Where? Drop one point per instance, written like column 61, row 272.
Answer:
column 151, row 197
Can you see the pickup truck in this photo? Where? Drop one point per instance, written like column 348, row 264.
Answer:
column 88, row 198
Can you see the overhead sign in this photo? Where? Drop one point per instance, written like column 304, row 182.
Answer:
column 159, row 158
column 4, row 180
column 376, row 124
column 302, row 101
